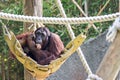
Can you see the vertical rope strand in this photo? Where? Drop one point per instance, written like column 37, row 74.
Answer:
column 71, row 33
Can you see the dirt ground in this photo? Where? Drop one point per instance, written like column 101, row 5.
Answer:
column 94, row 51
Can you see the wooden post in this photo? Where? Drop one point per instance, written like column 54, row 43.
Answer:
column 31, row 8
column 110, row 65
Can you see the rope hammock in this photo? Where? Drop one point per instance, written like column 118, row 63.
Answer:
column 37, row 70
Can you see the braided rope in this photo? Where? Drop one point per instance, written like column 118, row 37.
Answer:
column 71, row 33
column 112, row 31
column 93, row 77
column 54, row 20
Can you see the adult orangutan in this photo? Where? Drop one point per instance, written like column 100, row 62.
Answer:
column 42, row 45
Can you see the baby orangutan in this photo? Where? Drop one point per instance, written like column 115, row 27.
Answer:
column 42, row 45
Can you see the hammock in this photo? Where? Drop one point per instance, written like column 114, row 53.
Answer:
column 37, row 70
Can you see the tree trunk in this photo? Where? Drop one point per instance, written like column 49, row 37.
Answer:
column 31, row 8
column 110, row 64
column 3, row 67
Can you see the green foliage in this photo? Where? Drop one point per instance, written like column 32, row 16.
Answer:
column 10, row 67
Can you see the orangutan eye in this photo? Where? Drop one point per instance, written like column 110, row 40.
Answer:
column 42, row 35
column 38, row 33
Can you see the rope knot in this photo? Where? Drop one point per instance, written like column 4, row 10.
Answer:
column 112, row 31
column 93, row 77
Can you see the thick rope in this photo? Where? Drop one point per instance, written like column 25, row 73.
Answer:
column 54, row 20
column 112, row 32
column 71, row 33
column 93, row 77
column 81, row 10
